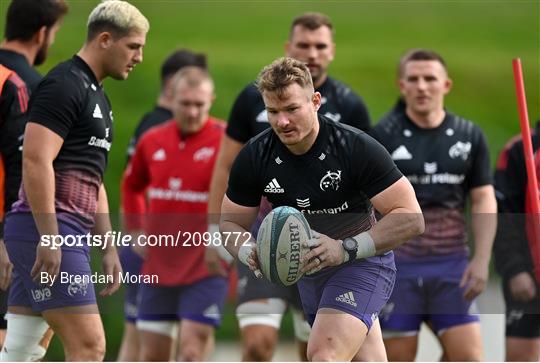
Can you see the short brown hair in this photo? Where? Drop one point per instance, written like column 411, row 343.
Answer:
column 311, row 21
column 282, row 73
column 419, row 55
column 25, row 17
column 194, row 76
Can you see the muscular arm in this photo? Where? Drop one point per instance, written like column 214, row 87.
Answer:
column 484, row 220
column 227, row 153
column 41, row 146
column 402, row 219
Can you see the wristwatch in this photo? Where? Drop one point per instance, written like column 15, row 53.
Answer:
column 350, row 245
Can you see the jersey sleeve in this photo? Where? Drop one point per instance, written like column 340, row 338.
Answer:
column 357, row 113
column 56, row 104
column 480, row 174
column 376, row 171
column 239, row 119
column 243, row 186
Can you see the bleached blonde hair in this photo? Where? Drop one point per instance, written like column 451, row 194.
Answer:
column 117, row 17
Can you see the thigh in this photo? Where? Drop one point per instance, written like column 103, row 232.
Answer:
column 522, row 349
column 131, row 301
column 154, row 346
column 463, row 342
column 203, row 301
column 372, row 350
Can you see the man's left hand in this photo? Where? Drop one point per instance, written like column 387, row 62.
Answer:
column 111, row 267
column 475, row 277
column 325, row 252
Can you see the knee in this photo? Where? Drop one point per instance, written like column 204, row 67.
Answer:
column 467, row 355
column 321, row 355
column 193, row 350
column 523, row 356
column 88, row 349
column 259, row 347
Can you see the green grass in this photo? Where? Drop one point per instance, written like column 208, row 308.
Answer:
column 478, row 39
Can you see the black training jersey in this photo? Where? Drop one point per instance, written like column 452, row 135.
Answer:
column 153, row 118
column 339, row 103
column 515, row 237
column 13, row 117
column 331, row 184
column 443, row 164
column 70, row 102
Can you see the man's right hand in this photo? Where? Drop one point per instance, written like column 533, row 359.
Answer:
column 247, row 254
column 47, row 260
column 5, row 267
column 522, row 287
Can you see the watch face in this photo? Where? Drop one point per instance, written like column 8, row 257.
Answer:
column 349, row 244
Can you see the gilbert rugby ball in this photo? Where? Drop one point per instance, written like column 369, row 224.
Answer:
column 280, row 245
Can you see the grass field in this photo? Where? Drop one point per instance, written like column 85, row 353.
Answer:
column 477, row 38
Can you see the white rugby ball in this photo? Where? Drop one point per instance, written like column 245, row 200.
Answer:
column 280, row 245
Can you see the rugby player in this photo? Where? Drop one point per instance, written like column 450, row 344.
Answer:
column 173, row 162
column 262, row 305
column 31, row 27
column 445, row 157
column 131, row 261
column 350, row 267
column 512, row 252
column 66, row 143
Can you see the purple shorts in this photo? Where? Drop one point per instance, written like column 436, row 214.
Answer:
column 428, row 291
column 131, row 263
column 360, row 288
column 72, row 287
column 201, row 301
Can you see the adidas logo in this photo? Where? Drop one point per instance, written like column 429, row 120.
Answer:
column 159, row 155
column 262, row 117
column 274, row 187
column 97, row 112
column 347, row 298
column 401, row 153
column 212, row 312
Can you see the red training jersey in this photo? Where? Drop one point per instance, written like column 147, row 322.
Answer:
column 165, row 193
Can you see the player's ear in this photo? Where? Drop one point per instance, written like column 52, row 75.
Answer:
column 448, row 85
column 41, row 35
column 317, row 100
column 105, row 39
column 287, row 48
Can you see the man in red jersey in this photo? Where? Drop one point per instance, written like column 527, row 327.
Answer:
column 172, row 166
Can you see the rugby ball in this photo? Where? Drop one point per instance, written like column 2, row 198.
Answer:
column 280, row 240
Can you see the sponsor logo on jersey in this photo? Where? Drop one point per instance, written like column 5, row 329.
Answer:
column 278, row 160
column 322, row 156
column 97, row 112
column 460, row 149
column 303, row 203
column 102, row 143
column 335, row 210
column 159, row 155
column 178, row 195
column 78, row 288
column 401, row 153
column 274, row 187
column 330, row 181
column 262, row 117
column 333, row 116
column 347, row 298
column 40, row 295
column 204, row 154
column 175, row 183
column 430, row 168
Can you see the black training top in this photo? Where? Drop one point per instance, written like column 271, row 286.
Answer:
column 443, row 164
column 331, row 184
column 70, row 102
column 153, row 118
column 339, row 103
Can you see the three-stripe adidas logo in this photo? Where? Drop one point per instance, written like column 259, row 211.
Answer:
column 347, row 298
column 274, row 187
column 97, row 112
